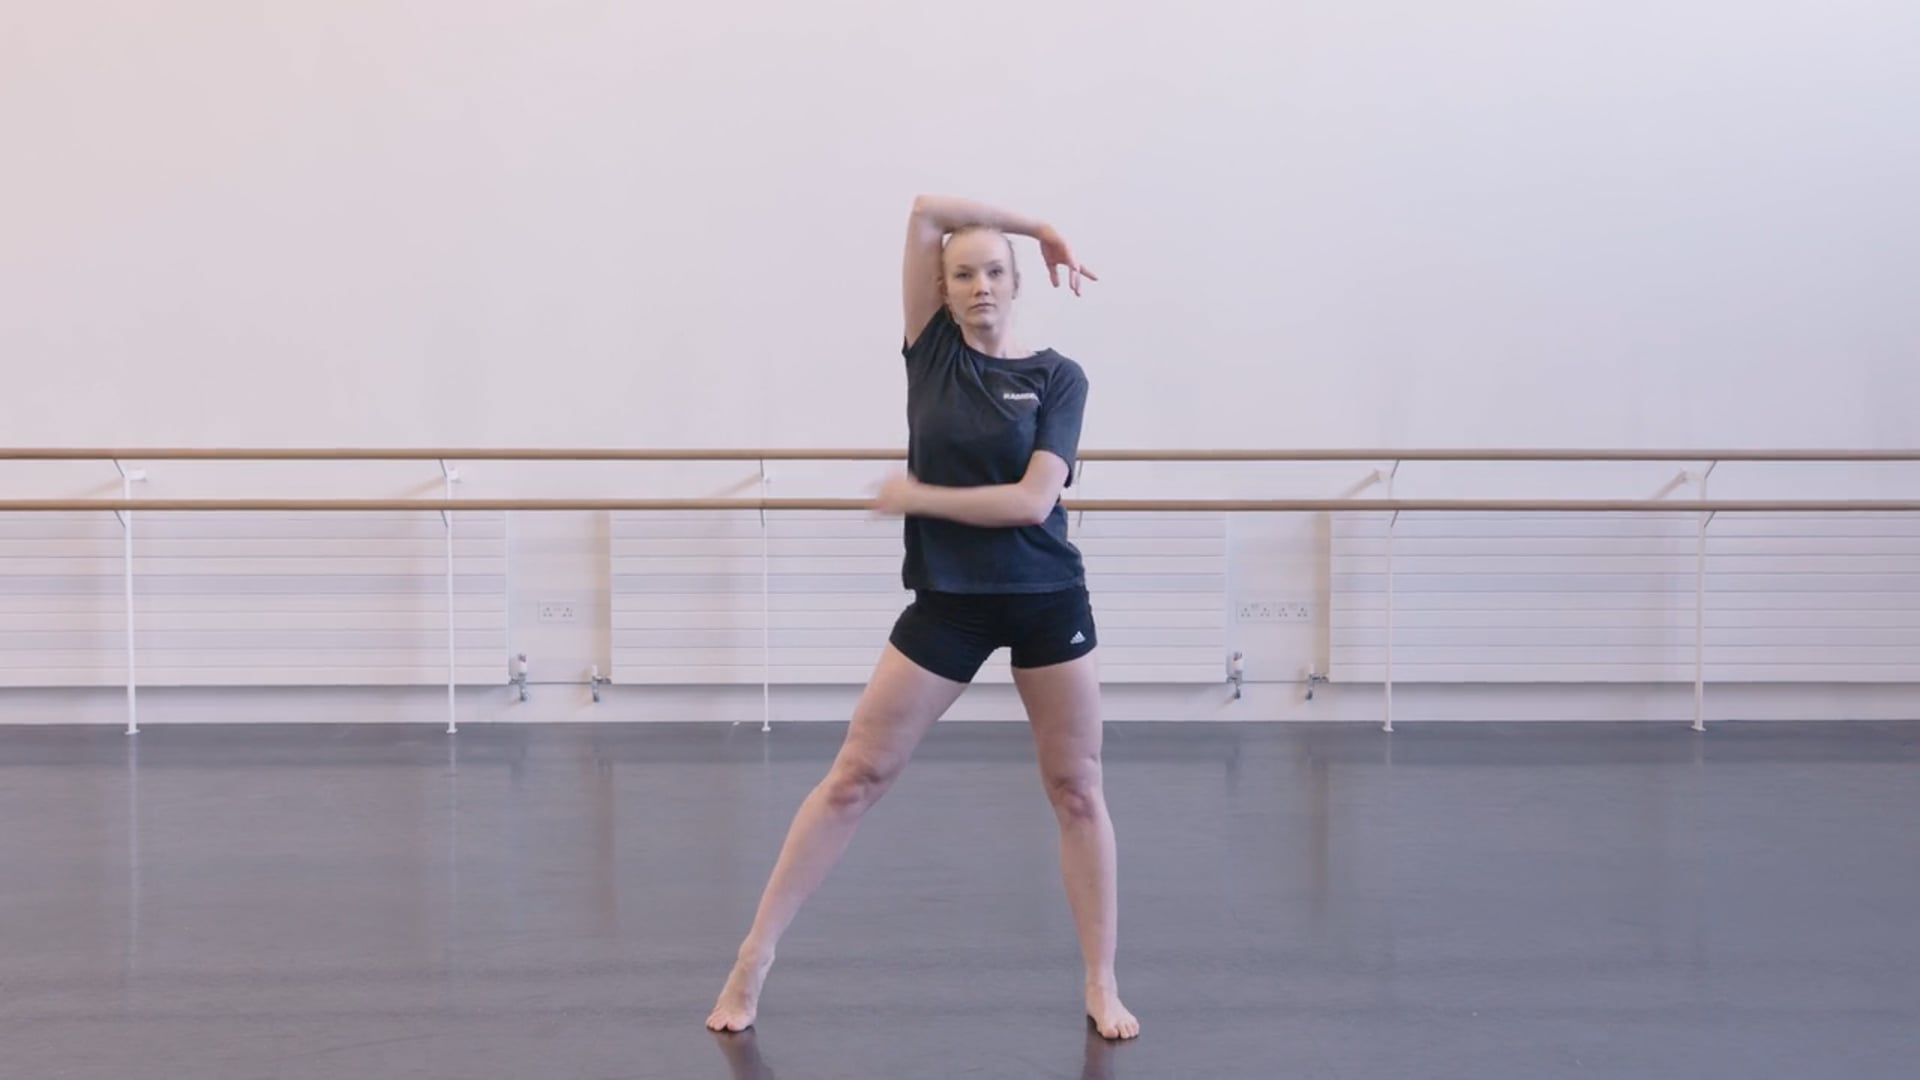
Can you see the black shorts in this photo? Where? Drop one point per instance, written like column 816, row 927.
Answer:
column 952, row 634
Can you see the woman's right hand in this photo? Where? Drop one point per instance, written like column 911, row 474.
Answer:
column 1053, row 249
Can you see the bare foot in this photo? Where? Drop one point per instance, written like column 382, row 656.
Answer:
column 1108, row 1015
column 740, row 998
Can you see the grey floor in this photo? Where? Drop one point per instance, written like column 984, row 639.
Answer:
column 1448, row 901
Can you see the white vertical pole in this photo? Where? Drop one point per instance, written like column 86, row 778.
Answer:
column 1229, row 608
column 1392, row 522
column 126, row 533
column 453, row 656
column 766, row 609
column 1700, row 611
column 1080, row 482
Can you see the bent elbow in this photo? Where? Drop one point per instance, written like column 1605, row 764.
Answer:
column 1037, row 512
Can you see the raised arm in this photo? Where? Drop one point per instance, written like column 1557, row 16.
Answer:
column 934, row 216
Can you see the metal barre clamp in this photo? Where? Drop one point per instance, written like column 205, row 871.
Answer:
column 519, row 678
column 1314, row 679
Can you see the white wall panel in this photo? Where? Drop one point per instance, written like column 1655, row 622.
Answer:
column 688, row 596
column 252, row 599
column 1612, row 598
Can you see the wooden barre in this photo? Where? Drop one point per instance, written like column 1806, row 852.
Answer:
column 531, row 454
column 1677, row 506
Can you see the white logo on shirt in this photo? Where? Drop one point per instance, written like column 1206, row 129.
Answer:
column 1028, row 396
column 1078, row 637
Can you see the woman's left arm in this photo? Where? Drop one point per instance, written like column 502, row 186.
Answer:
column 1027, row 502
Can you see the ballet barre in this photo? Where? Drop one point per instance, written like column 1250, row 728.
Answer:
column 1676, row 506
column 882, row 454
column 448, row 505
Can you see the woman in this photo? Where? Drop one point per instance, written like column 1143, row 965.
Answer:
column 993, row 429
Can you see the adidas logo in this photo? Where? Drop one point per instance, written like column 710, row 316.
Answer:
column 1078, row 638
column 1011, row 396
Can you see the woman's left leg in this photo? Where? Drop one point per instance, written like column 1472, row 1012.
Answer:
column 1063, row 707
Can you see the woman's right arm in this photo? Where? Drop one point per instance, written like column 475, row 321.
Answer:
column 933, row 217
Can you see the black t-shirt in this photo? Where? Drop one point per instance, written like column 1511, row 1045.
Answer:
column 972, row 420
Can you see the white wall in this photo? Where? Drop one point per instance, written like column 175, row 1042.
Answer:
column 1321, row 224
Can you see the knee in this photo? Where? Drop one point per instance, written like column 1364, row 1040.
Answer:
column 856, row 783
column 1075, row 793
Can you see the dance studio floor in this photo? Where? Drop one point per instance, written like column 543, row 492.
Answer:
column 232, row 903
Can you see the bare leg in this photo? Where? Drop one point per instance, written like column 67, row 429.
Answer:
column 1063, row 707
column 900, row 704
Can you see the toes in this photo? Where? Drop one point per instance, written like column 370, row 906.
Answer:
column 1126, row 1027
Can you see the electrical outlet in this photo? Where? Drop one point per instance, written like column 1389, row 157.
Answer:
column 1287, row 611
column 556, row 611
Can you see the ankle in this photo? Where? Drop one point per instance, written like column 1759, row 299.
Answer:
column 754, row 956
column 1102, row 980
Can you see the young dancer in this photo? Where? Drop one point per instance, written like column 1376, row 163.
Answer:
column 993, row 430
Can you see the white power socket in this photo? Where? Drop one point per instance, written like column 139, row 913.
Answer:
column 556, row 611
column 1287, row 611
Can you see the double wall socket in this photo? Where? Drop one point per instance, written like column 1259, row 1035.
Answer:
column 557, row 611
column 1286, row 611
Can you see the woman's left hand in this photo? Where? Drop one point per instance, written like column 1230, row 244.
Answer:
column 1054, row 251
column 897, row 494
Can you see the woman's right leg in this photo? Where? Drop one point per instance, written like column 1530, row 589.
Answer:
column 898, row 707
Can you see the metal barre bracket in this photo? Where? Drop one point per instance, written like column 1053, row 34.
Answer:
column 519, row 678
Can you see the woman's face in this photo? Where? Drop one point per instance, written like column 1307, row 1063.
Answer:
column 979, row 279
